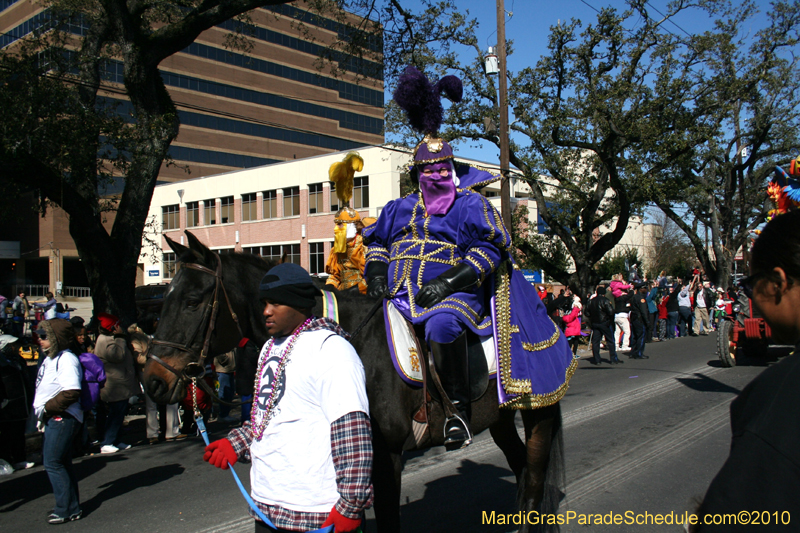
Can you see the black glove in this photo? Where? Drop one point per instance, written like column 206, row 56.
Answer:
column 459, row 278
column 377, row 280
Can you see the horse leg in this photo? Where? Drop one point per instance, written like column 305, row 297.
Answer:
column 537, row 491
column 387, row 468
column 505, row 435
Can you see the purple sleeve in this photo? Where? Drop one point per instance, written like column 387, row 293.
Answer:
column 483, row 236
column 351, row 447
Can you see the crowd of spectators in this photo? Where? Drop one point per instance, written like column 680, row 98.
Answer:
column 637, row 311
column 38, row 391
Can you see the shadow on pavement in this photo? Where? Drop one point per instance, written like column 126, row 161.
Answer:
column 24, row 487
column 702, row 383
column 121, row 486
column 477, row 487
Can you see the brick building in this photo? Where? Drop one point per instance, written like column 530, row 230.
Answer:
column 237, row 111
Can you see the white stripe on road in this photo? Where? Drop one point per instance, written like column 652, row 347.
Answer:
column 633, row 462
column 634, row 397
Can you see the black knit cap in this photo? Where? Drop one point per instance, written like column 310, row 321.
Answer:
column 289, row 284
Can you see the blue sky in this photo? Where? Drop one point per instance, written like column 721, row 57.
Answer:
column 529, row 27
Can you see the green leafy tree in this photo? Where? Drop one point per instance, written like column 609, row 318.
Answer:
column 60, row 139
column 618, row 263
column 579, row 115
column 720, row 187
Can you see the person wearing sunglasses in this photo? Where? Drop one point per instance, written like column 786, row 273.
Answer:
column 762, row 472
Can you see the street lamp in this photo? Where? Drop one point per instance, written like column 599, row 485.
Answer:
column 492, row 66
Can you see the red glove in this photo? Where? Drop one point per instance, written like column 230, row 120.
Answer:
column 342, row 524
column 219, row 453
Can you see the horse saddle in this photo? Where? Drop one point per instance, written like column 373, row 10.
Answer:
column 405, row 347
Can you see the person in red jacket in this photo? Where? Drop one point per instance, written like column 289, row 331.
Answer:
column 572, row 324
column 662, row 317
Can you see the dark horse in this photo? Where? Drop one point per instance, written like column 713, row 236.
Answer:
column 188, row 314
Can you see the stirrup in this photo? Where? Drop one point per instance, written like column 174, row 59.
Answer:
column 457, row 433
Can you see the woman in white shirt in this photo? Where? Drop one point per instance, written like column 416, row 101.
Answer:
column 56, row 403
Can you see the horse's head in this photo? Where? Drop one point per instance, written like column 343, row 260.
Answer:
column 197, row 322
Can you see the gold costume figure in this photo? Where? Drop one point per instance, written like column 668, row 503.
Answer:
column 345, row 265
column 347, row 269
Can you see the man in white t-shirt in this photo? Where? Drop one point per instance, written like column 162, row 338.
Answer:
column 56, row 404
column 309, row 437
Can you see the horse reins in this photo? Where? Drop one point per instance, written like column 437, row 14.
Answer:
column 196, row 369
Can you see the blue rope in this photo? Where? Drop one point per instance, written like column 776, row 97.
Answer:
column 261, row 516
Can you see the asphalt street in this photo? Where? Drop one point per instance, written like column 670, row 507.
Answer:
column 644, row 436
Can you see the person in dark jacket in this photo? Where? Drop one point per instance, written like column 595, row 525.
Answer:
column 652, row 306
column 16, row 399
column 246, row 361
column 601, row 314
column 640, row 314
column 762, row 472
column 672, row 311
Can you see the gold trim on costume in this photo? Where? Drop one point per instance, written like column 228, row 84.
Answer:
column 535, row 401
column 504, row 327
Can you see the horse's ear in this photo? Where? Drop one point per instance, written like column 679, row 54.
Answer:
column 200, row 250
column 179, row 249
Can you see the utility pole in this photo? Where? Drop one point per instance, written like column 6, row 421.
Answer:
column 505, row 188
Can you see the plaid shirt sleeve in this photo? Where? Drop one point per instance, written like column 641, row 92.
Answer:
column 351, row 448
column 241, row 438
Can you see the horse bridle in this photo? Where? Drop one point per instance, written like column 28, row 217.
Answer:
column 196, row 369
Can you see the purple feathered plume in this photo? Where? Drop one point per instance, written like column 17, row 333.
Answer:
column 421, row 101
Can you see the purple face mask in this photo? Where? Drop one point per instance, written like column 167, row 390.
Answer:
column 438, row 189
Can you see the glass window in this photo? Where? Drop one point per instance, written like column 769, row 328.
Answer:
column 276, row 252
column 361, row 192
column 334, row 199
column 210, row 212
column 170, row 264
column 226, row 251
column 317, row 254
column 192, row 214
column 226, row 209
column 270, row 204
column 249, row 207
column 291, row 201
column 292, row 252
column 169, row 217
column 315, row 198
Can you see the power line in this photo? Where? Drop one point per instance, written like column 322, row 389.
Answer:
column 670, row 19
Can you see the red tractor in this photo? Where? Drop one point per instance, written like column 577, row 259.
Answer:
column 742, row 329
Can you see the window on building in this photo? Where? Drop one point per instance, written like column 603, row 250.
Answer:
column 317, row 254
column 249, row 207
column 291, row 201
column 292, row 252
column 334, row 199
column 226, row 251
column 276, row 252
column 270, row 204
column 169, row 217
column 226, row 209
column 210, row 212
column 192, row 214
column 170, row 262
column 315, row 198
column 361, row 192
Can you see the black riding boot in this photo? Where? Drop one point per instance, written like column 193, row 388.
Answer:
column 452, row 365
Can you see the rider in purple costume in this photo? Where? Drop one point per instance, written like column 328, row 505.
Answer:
column 436, row 254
